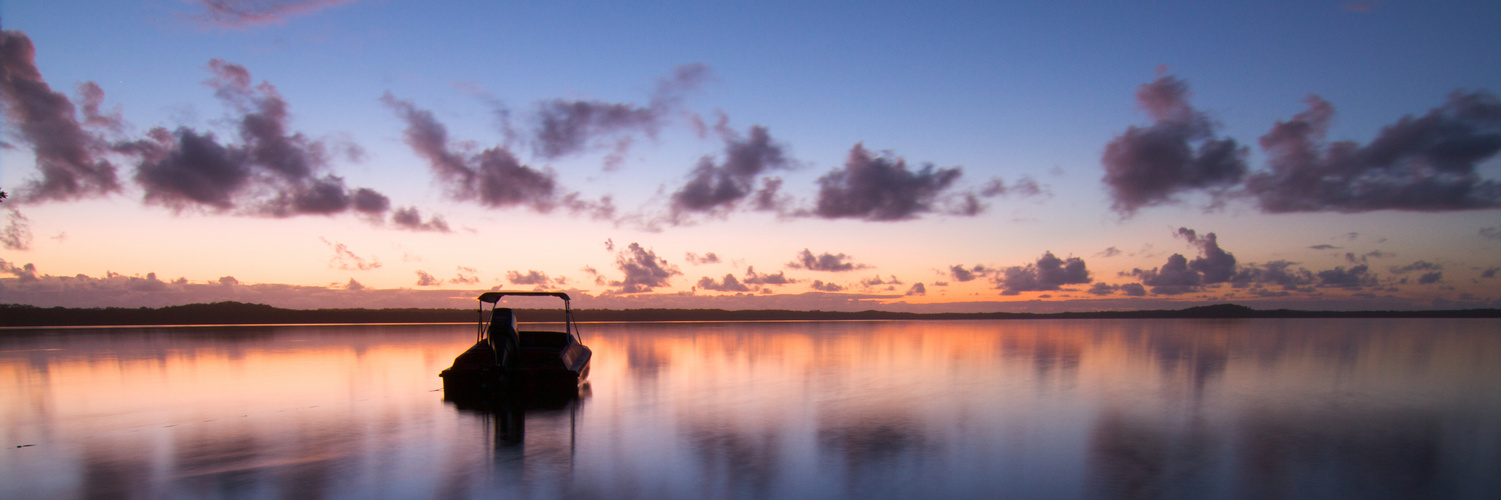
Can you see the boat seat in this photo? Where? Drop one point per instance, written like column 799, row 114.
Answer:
column 542, row 348
column 544, row 340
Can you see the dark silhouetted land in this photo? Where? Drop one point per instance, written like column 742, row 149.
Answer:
column 237, row 313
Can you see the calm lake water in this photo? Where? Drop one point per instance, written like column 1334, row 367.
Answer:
column 921, row 409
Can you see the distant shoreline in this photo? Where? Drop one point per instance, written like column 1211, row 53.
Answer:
column 237, row 313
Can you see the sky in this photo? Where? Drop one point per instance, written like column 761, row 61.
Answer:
column 907, row 156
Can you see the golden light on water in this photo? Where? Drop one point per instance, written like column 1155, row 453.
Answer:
column 1059, row 406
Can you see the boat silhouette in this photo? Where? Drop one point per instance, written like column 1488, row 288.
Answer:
column 506, row 362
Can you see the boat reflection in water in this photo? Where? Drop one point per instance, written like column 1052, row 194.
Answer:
column 508, row 416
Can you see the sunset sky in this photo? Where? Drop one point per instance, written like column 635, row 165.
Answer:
column 914, row 156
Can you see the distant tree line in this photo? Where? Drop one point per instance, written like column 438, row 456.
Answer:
column 239, row 313
column 220, row 313
column 1211, row 311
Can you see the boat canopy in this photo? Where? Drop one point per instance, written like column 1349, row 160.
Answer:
column 493, row 297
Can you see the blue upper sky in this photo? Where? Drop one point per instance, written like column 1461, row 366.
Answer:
column 1028, row 95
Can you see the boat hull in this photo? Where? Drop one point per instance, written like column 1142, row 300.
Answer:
column 560, row 372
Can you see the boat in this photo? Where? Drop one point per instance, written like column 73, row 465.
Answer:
column 506, row 361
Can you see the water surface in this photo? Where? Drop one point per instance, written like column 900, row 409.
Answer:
column 1342, row 408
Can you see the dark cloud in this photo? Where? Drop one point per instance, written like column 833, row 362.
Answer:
column 706, row 258
column 1355, row 277
column 716, row 188
column 916, row 289
column 424, row 279
column 599, row 279
column 184, row 169
column 1109, row 252
column 1425, row 163
column 26, row 273
column 17, row 232
column 1324, row 247
column 564, row 127
column 1430, row 278
column 701, row 128
column 618, row 153
column 91, row 97
column 1362, row 258
column 754, row 278
column 819, row 285
column 1148, row 166
column 1490, row 273
column 727, row 284
column 369, row 201
column 1493, row 233
column 965, row 204
column 149, row 284
column 880, row 188
column 1179, row 275
column 1279, row 272
column 411, row 219
column 1048, row 273
column 271, row 171
column 322, row 196
column 969, row 204
column 769, row 197
column 1213, row 264
column 500, row 180
column 494, row 176
column 1297, row 279
column 67, row 156
column 876, row 280
column 1102, row 289
column 643, row 270
column 1173, row 278
column 263, row 123
column 1133, row 290
column 1025, row 186
column 685, row 78
column 353, row 286
column 235, row 14
column 825, row 262
column 1421, row 265
column 532, row 277
column 228, row 281
column 429, row 139
column 960, row 274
